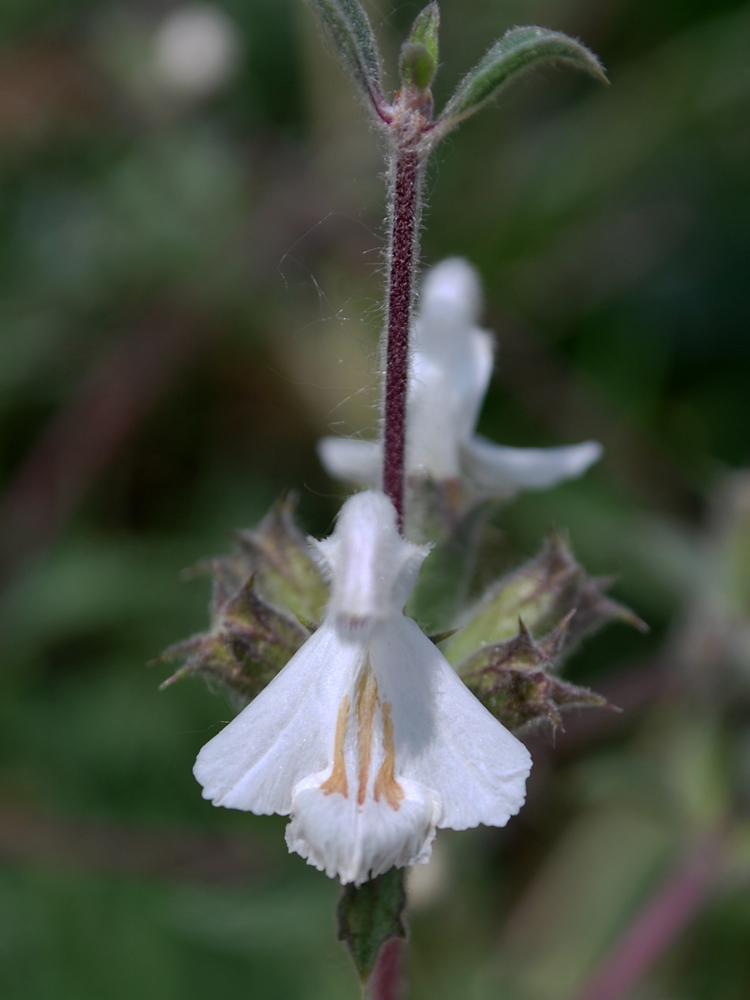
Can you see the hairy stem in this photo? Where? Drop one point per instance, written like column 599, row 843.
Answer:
column 402, row 260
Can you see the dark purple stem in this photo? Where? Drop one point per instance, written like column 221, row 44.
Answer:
column 660, row 922
column 401, row 266
column 387, row 979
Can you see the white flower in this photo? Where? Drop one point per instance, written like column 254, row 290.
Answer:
column 367, row 738
column 451, row 367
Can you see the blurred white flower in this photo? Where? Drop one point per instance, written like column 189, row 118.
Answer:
column 367, row 737
column 450, row 370
column 197, row 50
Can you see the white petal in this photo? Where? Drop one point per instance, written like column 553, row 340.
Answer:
column 353, row 842
column 450, row 370
column 351, row 459
column 453, row 358
column 444, row 737
column 451, row 365
column 452, row 288
column 286, row 733
column 497, row 469
column 367, row 736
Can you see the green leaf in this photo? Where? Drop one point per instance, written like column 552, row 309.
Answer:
column 424, row 31
column 370, row 915
column 517, row 50
column 348, row 27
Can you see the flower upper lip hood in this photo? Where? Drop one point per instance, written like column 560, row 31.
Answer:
column 451, row 367
column 372, row 572
column 367, row 738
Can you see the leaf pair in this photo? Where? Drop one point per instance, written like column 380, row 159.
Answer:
column 349, row 29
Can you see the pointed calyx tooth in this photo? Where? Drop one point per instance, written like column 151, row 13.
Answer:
column 268, row 595
column 278, row 555
column 248, row 644
column 542, row 592
column 516, row 680
column 280, row 558
column 438, row 637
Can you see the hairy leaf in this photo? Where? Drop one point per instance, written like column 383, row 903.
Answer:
column 348, row 27
column 417, row 66
column 425, row 29
column 517, row 50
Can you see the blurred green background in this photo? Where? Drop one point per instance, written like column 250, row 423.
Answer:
column 191, row 233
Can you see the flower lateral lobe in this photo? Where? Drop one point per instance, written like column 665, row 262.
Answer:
column 367, row 739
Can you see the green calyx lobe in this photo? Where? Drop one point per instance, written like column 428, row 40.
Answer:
column 542, row 593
